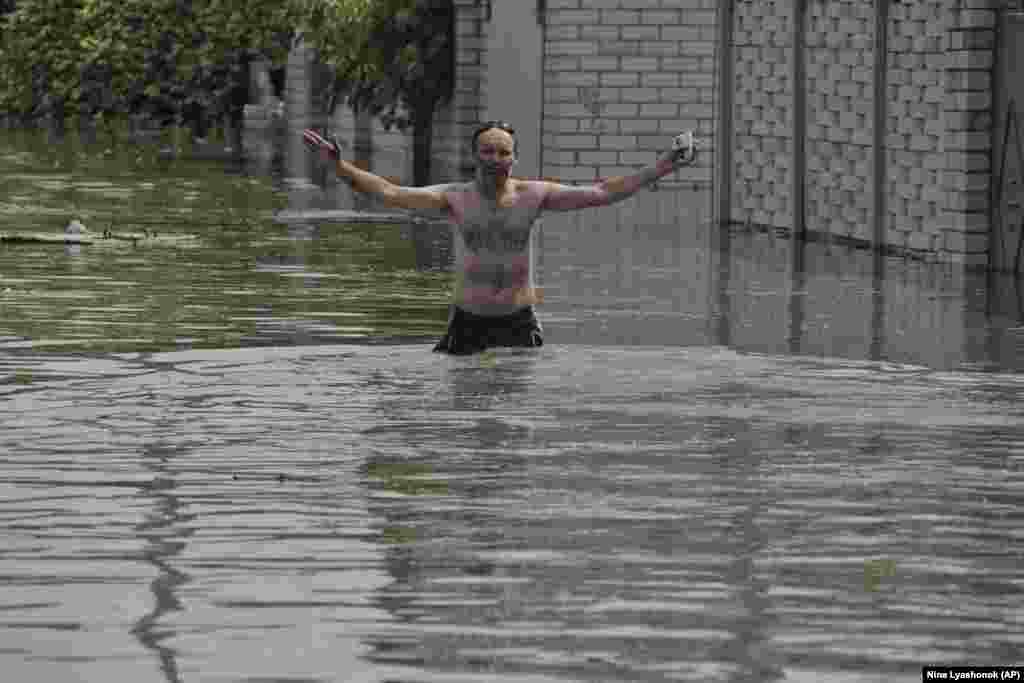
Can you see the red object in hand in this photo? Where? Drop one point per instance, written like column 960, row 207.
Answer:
column 328, row 149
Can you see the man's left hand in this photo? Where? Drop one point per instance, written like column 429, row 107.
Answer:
column 684, row 150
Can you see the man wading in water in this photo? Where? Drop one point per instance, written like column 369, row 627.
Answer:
column 493, row 217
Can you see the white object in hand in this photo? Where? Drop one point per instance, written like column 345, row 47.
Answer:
column 685, row 146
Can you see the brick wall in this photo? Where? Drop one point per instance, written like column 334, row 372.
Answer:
column 967, row 112
column 621, row 78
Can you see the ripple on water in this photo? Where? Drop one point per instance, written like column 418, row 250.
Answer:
column 523, row 518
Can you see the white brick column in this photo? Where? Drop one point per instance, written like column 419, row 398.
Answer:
column 967, row 113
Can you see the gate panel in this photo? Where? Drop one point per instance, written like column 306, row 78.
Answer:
column 762, row 96
column 840, row 42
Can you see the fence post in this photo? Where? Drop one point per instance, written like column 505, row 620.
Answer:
column 722, row 188
column 799, row 120
column 880, row 124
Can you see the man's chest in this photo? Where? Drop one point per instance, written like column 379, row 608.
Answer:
column 495, row 228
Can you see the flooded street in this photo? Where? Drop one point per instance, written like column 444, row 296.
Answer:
column 234, row 458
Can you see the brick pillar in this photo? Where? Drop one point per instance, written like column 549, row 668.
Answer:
column 967, row 114
column 621, row 79
column 915, row 140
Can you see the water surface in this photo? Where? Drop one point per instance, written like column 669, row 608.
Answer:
column 238, row 461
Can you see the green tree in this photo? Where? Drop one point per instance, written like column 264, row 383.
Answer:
column 181, row 60
column 417, row 59
column 396, row 60
column 39, row 57
column 166, row 59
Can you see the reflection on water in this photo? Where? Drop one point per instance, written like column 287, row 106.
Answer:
column 733, row 460
column 649, row 271
column 682, row 282
column 165, row 531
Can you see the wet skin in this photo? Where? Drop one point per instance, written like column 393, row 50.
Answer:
column 494, row 216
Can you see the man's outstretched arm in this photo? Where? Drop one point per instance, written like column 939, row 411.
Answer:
column 364, row 181
column 559, row 197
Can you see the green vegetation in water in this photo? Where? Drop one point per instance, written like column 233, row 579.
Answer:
column 20, row 376
column 397, row 535
column 407, row 478
column 875, row 571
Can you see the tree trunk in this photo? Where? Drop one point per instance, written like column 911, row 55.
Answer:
column 238, row 98
column 56, row 119
column 422, row 141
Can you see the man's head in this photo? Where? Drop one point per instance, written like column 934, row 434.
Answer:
column 494, row 146
column 491, row 131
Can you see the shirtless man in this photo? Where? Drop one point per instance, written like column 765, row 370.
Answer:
column 493, row 219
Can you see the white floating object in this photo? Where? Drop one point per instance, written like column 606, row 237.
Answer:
column 75, row 228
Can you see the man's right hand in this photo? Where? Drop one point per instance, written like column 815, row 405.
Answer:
column 329, row 149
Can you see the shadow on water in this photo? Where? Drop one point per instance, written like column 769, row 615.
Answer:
column 165, row 533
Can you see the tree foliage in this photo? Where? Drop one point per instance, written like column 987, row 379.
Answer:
column 175, row 59
column 411, row 50
column 155, row 57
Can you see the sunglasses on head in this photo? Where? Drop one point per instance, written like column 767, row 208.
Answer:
column 488, row 125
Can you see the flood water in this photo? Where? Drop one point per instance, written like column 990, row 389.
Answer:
column 234, row 458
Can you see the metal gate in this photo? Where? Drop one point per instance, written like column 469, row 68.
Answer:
column 1006, row 250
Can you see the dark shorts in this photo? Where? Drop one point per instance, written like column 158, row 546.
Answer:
column 469, row 333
